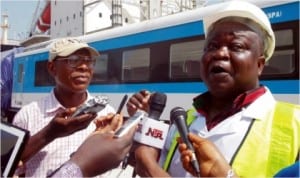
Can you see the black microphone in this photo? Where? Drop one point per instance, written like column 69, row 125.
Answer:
column 178, row 116
column 157, row 104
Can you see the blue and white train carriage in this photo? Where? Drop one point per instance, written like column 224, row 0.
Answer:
column 163, row 55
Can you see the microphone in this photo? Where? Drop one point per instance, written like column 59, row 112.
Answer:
column 150, row 130
column 178, row 116
column 157, row 104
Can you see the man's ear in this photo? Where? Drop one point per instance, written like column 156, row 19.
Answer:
column 51, row 68
column 260, row 64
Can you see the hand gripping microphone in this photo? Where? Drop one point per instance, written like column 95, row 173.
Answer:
column 178, row 116
column 150, row 130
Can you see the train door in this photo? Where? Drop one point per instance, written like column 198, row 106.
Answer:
column 18, row 83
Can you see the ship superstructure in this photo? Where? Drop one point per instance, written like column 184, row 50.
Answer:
column 60, row 18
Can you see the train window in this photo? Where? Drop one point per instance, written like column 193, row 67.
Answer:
column 185, row 59
column 100, row 70
column 283, row 59
column 284, row 37
column 41, row 76
column 20, row 73
column 282, row 62
column 136, row 65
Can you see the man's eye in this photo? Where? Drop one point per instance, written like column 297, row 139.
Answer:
column 211, row 47
column 73, row 58
column 237, row 47
column 86, row 58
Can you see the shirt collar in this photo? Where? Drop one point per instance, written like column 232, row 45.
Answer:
column 258, row 109
column 200, row 102
column 54, row 105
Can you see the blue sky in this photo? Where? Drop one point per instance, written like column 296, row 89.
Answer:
column 20, row 14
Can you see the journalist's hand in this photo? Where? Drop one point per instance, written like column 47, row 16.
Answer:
column 101, row 152
column 211, row 161
column 108, row 123
column 137, row 101
column 63, row 125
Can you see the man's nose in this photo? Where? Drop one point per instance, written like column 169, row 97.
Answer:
column 222, row 53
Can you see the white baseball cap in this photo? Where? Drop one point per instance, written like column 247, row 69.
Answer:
column 65, row 46
column 243, row 9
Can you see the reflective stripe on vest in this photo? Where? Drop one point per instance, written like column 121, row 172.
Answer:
column 276, row 150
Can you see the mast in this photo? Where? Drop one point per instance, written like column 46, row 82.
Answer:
column 4, row 27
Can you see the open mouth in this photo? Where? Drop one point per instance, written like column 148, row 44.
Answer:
column 217, row 69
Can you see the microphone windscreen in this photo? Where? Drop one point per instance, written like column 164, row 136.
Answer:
column 178, row 117
column 157, row 104
column 176, row 113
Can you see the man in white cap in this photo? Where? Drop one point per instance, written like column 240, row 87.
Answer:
column 238, row 117
column 55, row 134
